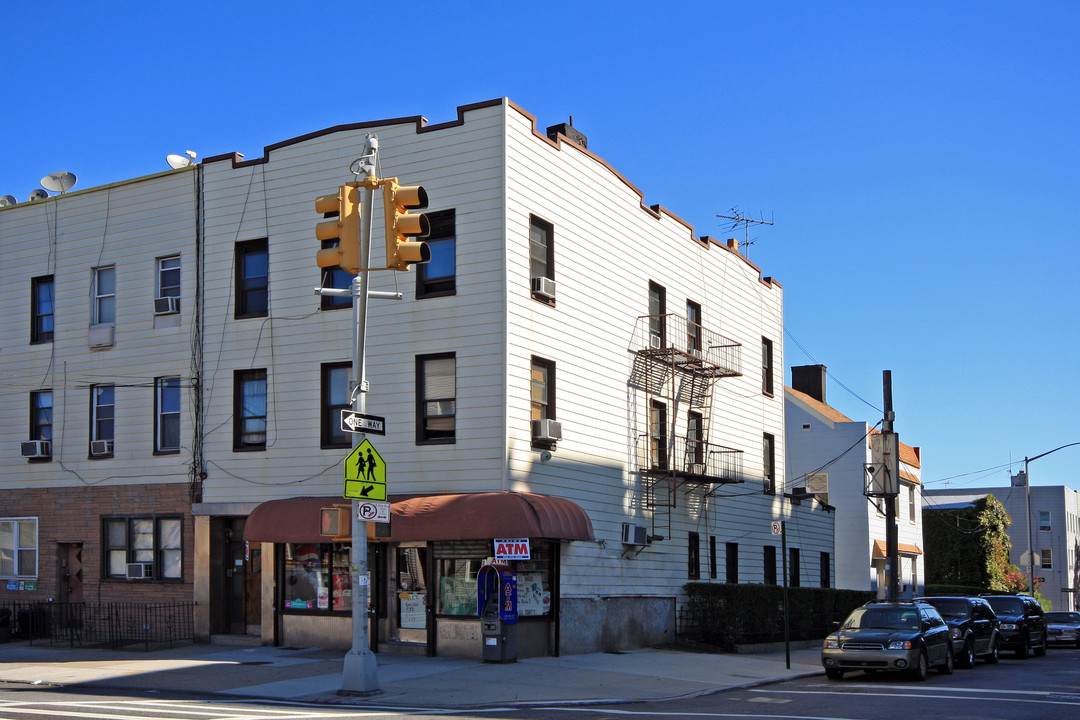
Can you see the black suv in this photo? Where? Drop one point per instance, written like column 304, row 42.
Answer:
column 973, row 627
column 1023, row 627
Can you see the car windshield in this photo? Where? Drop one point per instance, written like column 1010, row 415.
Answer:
column 1063, row 617
column 884, row 618
column 1006, row 605
column 951, row 608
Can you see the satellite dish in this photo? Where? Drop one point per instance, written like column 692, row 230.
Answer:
column 179, row 161
column 7, row 200
column 59, row 182
column 38, row 195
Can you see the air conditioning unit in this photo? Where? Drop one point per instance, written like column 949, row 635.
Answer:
column 101, row 447
column 546, row 431
column 140, row 571
column 544, row 287
column 37, row 449
column 695, row 468
column 166, row 305
column 656, row 342
column 634, row 534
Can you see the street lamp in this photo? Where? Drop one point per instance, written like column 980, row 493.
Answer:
column 1027, row 500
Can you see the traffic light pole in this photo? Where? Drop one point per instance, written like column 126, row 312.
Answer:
column 359, row 674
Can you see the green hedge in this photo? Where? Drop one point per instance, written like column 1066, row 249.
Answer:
column 728, row 615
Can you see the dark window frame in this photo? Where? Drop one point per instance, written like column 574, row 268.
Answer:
column 712, row 558
column 767, row 367
column 658, row 435
column 425, row 435
column 657, row 313
column 694, row 330
column 693, row 556
column 40, row 318
column 768, row 454
column 41, row 417
column 825, row 569
column 769, row 565
column 335, row 277
column 793, row 567
column 330, row 433
column 246, row 286
column 541, row 267
column 161, row 384
column 441, row 240
column 99, row 420
column 731, row 562
column 240, row 419
column 131, row 554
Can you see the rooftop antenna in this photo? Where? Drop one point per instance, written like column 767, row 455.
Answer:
column 179, row 161
column 59, row 182
column 736, row 219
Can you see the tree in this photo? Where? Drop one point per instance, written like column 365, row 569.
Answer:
column 968, row 546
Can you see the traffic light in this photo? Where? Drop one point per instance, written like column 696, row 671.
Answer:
column 345, row 228
column 402, row 225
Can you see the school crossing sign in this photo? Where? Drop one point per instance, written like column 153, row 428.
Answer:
column 365, row 473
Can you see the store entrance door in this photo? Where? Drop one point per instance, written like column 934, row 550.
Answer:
column 410, row 609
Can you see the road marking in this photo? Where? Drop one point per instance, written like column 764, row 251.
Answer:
column 654, row 713
column 906, row 694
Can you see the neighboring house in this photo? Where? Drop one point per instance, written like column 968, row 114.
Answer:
column 827, row 454
column 1050, row 529
column 573, row 367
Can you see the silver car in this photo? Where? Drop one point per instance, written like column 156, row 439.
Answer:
column 1063, row 627
column 908, row 637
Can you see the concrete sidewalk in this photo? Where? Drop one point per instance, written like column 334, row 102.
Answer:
column 406, row 681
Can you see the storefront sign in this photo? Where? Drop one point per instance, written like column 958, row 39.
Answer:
column 413, row 610
column 511, row 549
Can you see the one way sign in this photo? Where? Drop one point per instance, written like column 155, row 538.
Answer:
column 361, row 423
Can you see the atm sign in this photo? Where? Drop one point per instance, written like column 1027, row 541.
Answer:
column 512, row 549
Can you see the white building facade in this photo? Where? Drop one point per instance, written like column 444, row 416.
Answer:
column 828, row 452
column 622, row 414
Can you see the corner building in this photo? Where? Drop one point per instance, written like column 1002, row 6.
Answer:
column 573, row 367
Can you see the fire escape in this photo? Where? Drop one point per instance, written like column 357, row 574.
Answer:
column 677, row 363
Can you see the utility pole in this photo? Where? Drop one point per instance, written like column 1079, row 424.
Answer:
column 737, row 219
column 891, row 442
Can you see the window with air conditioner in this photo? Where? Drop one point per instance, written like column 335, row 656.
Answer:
column 32, row 449
column 140, row 571
column 39, row 444
column 543, row 287
column 102, row 418
column 545, row 429
column 542, row 259
column 142, row 548
column 166, row 305
column 168, row 286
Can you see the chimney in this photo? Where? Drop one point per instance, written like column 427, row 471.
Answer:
column 570, row 132
column 809, row 379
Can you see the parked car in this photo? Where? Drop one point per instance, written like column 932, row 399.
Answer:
column 1063, row 627
column 973, row 627
column 907, row 637
column 1023, row 627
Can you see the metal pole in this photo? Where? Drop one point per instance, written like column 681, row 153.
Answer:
column 783, row 552
column 359, row 674
column 892, row 540
column 1031, row 550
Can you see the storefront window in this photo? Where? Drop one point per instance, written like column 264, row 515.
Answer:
column 412, row 587
column 459, row 562
column 534, row 581
column 457, row 587
column 316, row 577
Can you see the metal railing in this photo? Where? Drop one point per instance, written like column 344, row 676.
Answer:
column 687, row 345
column 108, row 625
column 690, row 459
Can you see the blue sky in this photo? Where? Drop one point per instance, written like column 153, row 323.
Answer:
column 920, row 160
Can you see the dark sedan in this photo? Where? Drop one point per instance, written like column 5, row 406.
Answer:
column 973, row 627
column 1063, row 627
column 906, row 636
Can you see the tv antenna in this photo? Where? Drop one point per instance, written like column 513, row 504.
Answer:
column 737, row 219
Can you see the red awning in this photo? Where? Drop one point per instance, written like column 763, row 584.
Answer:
column 465, row 516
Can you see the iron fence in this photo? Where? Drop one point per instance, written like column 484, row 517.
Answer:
column 107, row 625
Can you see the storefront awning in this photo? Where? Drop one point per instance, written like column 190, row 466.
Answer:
column 902, row 548
column 465, row 516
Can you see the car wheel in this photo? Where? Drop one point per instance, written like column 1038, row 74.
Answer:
column 967, row 656
column 1041, row 650
column 950, row 662
column 994, row 654
column 922, row 668
column 1024, row 648
column 834, row 674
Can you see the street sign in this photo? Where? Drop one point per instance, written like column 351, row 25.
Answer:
column 365, row 473
column 373, row 511
column 776, row 527
column 360, row 423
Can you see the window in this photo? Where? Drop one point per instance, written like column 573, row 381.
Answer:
column 542, row 392
column 437, row 276
column 693, row 328
column 436, row 390
column 168, row 278
column 335, row 398
column 41, row 309
column 770, row 565
column 911, row 505
column 712, row 557
column 1044, row 521
column 41, row 408
column 335, row 277
column 541, row 251
column 793, row 567
column 252, row 279
column 102, row 417
column 766, row 366
column 731, row 562
column 695, row 445
column 693, row 556
column 658, row 444
column 249, row 410
column 167, row 414
column 769, row 459
column 1047, row 561
column 104, row 295
column 825, row 564
column 156, row 542
column 315, row 576
column 18, row 548
column 657, row 311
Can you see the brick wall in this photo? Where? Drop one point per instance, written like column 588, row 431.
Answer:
column 74, row 515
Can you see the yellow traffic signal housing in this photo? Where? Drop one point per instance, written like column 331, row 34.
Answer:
column 345, row 228
column 402, row 225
